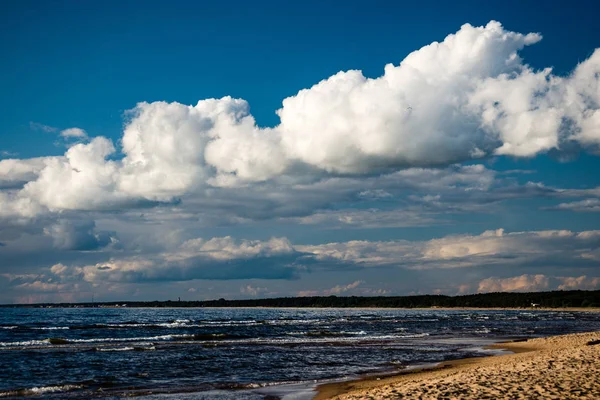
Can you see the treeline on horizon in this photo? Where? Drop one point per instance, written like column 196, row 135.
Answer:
column 555, row 299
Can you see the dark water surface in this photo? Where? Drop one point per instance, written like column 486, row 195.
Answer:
column 205, row 353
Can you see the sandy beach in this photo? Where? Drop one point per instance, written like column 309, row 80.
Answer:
column 557, row 367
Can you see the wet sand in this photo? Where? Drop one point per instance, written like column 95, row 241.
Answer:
column 557, row 367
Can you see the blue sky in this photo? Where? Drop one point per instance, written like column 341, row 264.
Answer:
column 68, row 63
column 149, row 203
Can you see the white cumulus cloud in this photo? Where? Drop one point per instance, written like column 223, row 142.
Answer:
column 466, row 97
column 73, row 133
column 523, row 283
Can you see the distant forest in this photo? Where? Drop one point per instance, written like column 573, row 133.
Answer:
column 556, row 299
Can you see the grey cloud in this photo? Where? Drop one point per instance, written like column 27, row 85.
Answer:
column 527, row 249
column 371, row 218
column 214, row 259
column 587, row 205
column 451, row 264
column 79, row 235
column 224, row 258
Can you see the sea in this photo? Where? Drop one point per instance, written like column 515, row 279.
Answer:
column 242, row 353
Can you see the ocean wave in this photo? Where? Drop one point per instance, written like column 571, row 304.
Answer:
column 131, row 325
column 127, row 348
column 64, row 341
column 306, row 337
column 182, row 337
column 187, row 323
column 229, row 322
column 129, row 339
column 114, row 348
column 38, row 328
column 36, row 391
column 51, row 328
column 414, row 335
column 316, row 339
column 332, row 333
column 258, row 385
column 25, row 343
column 417, row 320
column 291, row 321
column 179, row 323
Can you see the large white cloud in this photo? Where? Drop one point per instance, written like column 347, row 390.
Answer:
column 81, row 180
column 16, row 172
column 172, row 149
column 16, row 207
column 464, row 98
column 415, row 114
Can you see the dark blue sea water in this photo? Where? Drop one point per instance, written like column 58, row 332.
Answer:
column 202, row 353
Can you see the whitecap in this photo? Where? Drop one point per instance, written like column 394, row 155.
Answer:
column 115, row 349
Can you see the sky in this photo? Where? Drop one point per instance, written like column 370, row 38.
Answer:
column 162, row 150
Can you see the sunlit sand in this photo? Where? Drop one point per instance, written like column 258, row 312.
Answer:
column 558, row 367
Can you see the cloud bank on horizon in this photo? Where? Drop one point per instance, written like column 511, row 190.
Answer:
column 225, row 259
column 399, row 150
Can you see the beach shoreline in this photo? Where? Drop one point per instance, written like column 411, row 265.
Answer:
column 556, row 367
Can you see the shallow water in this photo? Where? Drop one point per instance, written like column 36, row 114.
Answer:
column 207, row 353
